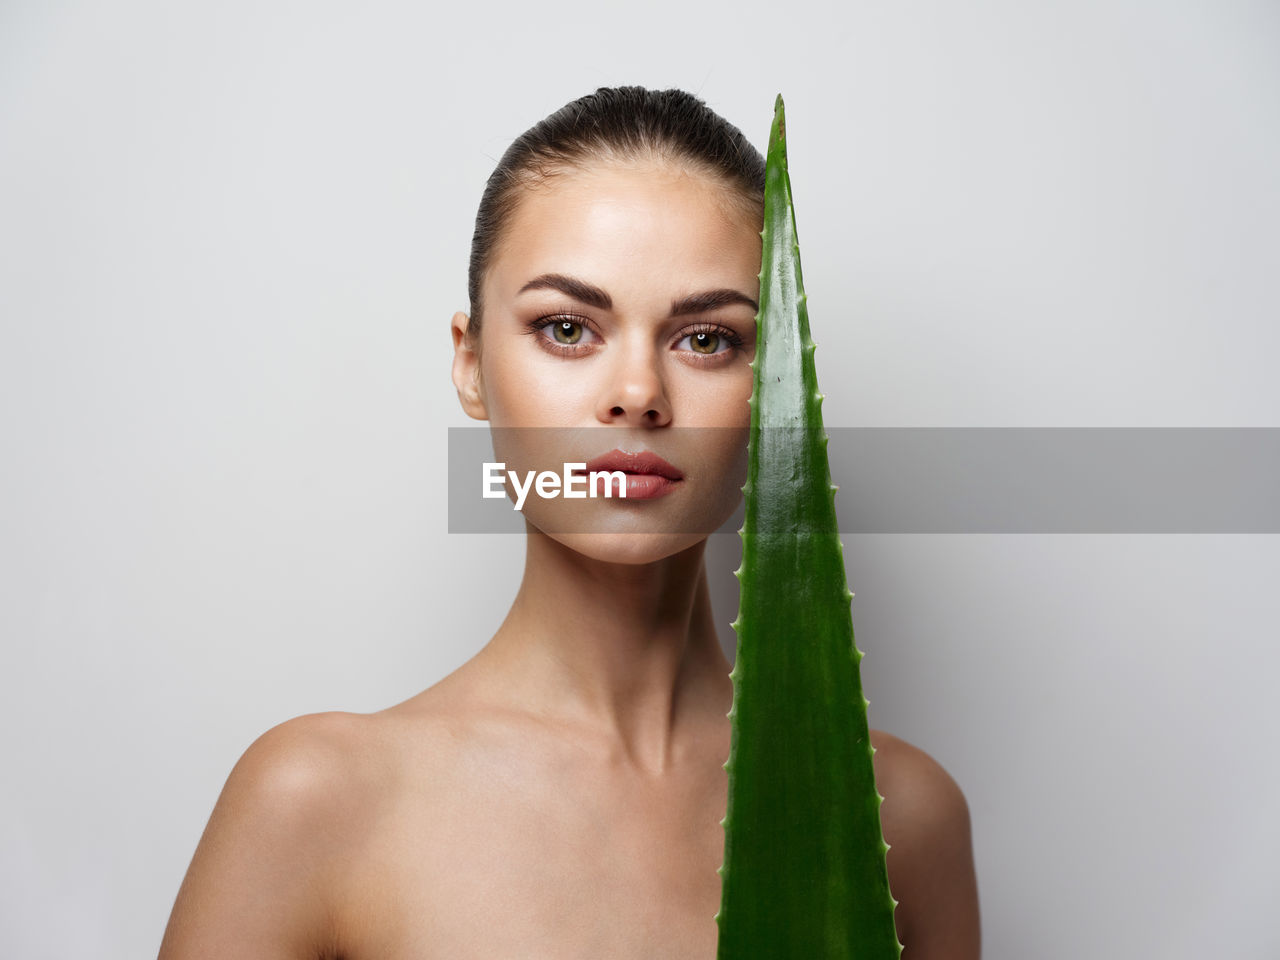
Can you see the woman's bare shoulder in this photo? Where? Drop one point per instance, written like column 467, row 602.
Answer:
column 295, row 805
column 920, row 785
column 309, row 763
column 925, row 820
column 319, row 765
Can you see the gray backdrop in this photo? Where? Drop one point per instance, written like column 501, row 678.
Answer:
column 231, row 238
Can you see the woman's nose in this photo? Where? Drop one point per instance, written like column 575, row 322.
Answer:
column 635, row 392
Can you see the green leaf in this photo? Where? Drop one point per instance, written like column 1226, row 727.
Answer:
column 804, row 874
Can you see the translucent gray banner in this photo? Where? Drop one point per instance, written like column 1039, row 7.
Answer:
column 899, row 479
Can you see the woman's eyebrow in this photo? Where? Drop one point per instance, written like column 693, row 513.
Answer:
column 595, row 297
column 578, row 289
column 698, row 302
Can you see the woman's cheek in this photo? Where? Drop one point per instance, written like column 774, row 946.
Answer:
column 533, row 392
column 512, row 395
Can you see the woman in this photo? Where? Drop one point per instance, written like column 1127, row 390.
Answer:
column 560, row 794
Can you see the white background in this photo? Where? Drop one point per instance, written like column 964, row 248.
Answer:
column 231, row 238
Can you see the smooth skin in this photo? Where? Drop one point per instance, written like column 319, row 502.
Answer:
column 559, row 796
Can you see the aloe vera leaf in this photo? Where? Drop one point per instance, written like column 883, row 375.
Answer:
column 804, row 874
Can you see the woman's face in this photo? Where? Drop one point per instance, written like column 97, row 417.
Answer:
column 619, row 315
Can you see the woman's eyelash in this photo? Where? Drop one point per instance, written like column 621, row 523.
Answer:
column 729, row 335
column 541, row 322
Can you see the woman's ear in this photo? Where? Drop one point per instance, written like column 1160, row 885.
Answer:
column 466, row 369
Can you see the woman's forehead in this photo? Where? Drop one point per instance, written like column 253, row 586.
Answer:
column 628, row 222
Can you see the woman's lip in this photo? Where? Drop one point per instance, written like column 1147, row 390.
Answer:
column 643, row 463
column 648, row 486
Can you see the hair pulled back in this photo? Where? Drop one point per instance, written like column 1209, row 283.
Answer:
column 614, row 123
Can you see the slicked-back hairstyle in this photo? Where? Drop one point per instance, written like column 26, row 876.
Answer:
column 618, row 124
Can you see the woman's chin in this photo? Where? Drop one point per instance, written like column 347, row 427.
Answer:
column 638, row 533
column 627, row 547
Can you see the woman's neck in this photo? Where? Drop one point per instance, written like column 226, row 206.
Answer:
column 628, row 650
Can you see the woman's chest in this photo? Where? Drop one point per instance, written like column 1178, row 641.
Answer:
column 562, row 872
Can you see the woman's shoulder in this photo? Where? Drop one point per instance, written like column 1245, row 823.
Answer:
column 300, row 780
column 919, row 784
column 272, row 823
column 307, row 762
column 924, row 810
column 300, row 802
column 925, row 821
column 321, row 762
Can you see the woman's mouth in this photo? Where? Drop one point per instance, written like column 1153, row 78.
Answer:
column 648, row 476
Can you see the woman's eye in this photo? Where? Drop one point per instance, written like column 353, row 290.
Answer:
column 704, row 342
column 561, row 334
column 566, row 331
column 569, row 337
column 707, row 342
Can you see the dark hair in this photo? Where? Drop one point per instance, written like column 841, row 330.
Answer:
column 616, row 123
